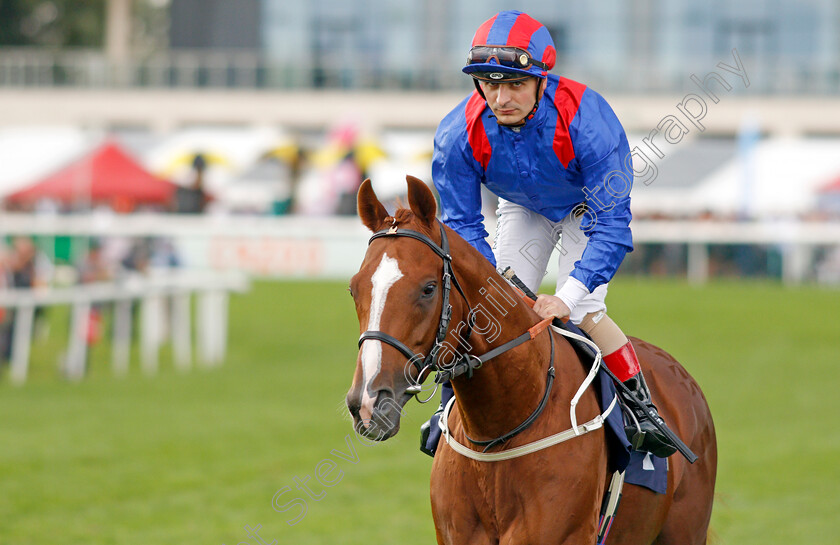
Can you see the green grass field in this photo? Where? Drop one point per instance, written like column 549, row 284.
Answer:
column 194, row 458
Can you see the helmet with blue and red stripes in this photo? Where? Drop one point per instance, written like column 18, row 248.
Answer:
column 511, row 46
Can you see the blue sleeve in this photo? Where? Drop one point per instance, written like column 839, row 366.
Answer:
column 604, row 156
column 457, row 177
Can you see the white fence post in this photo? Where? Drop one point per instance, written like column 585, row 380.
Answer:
column 698, row 263
column 76, row 361
column 24, row 316
column 212, row 323
column 181, row 331
column 153, row 295
column 224, row 305
column 150, row 333
column 204, row 322
column 121, row 343
column 795, row 260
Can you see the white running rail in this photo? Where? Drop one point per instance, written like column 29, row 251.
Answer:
column 152, row 293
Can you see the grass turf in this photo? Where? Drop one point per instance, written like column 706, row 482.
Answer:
column 196, row 457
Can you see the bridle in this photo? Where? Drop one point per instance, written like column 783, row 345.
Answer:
column 464, row 363
column 429, row 363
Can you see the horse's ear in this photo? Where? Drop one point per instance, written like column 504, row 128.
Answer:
column 421, row 200
column 371, row 211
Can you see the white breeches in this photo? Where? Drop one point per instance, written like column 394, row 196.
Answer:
column 524, row 242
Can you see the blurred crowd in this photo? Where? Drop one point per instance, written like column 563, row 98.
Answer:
column 238, row 170
column 21, row 266
column 25, row 265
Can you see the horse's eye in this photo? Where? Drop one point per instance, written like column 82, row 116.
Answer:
column 429, row 289
column 350, row 291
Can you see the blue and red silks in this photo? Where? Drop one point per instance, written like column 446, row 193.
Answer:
column 573, row 152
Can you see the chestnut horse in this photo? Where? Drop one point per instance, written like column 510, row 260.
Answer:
column 402, row 293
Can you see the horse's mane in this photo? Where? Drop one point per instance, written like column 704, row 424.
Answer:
column 406, row 218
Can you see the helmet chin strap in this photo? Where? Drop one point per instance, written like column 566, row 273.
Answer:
column 527, row 117
column 478, row 88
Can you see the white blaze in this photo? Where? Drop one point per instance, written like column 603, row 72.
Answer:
column 387, row 273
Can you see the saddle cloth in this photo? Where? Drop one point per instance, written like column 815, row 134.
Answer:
column 642, row 468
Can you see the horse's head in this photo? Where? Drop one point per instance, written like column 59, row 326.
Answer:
column 398, row 297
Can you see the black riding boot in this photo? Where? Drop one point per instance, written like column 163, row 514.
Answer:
column 430, row 431
column 645, row 436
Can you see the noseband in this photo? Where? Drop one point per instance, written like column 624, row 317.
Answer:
column 429, row 363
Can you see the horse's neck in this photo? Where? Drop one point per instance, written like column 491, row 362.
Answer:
column 506, row 389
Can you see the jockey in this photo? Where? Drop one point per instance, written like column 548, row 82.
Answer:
column 557, row 157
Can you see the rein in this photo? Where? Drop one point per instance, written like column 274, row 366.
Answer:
column 465, row 363
column 528, row 421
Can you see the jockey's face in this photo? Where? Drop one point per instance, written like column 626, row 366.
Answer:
column 511, row 101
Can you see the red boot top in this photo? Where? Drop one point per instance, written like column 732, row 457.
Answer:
column 623, row 362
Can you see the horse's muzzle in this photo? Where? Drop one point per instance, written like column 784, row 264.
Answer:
column 384, row 421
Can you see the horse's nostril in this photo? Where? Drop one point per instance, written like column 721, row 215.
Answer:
column 353, row 407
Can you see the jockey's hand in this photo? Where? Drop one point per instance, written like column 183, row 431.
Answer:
column 549, row 305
